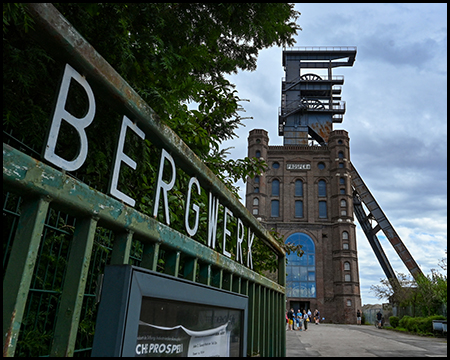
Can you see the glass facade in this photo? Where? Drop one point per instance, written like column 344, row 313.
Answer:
column 301, row 271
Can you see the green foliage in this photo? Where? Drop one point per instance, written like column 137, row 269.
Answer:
column 176, row 56
column 394, row 321
column 419, row 325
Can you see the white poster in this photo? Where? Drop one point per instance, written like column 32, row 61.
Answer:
column 206, row 343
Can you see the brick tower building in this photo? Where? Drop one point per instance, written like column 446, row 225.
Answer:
column 306, row 193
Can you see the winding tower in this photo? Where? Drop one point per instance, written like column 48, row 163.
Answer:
column 311, row 190
column 310, row 100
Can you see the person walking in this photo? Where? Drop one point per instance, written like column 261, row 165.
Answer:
column 358, row 317
column 305, row 320
column 379, row 318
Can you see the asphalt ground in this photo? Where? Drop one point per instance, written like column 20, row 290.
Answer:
column 334, row 340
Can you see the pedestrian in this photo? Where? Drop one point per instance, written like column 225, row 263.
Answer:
column 299, row 320
column 305, row 319
column 310, row 315
column 358, row 317
column 316, row 316
column 291, row 319
column 287, row 320
column 379, row 318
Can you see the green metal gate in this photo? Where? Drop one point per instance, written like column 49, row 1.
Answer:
column 59, row 233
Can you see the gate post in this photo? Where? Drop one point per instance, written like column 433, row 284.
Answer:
column 68, row 317
column 22, row 261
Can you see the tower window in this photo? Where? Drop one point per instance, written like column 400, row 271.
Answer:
column 345, row 246
column 342, row 181
column 322, row 209
column 347, row 277
column 298, row 209
column 258, row 153
column 256, row 180
column 322, row 188
column 349, row 302
column 255, row 211
column 344, row 235
column 275, row 187
column 343, row 203
column 256, row 190
column 321, row 166
column 275, row 208
column 275, row 165
column 346, row 265
column 298, row 188
column 340, row 155
column 255, row 201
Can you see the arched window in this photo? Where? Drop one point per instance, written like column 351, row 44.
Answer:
column 275, row 208
column 298, row 208
column 346, row 265
column 255, row 201
column 322, row 188
column 344, row 235
column 258, row 153
column 340, row 155
column 342, row 181
column 298, row 188
column 275, row 187
column 343, row 203
column 301, row 271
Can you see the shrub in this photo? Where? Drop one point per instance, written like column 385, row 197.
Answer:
column 419, row 325
column 404, row 322
column 394, row 320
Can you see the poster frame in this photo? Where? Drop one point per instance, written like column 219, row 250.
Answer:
column 124, row 287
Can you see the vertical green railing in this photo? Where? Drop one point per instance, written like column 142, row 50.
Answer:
column 59, row 233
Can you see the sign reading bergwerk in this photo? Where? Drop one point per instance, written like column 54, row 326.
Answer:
column 298, row 166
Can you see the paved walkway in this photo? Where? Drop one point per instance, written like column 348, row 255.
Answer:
column 353, row 340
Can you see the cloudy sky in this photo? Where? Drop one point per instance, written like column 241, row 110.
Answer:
column 396, row 97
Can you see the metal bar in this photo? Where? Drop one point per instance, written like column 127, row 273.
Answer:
column 63, row 39
column 204, row 275
column 172, row 263
column 21, row 173
column 121, row 248
column 71, row 302
column 21, row 264
column 374, row 243
column 251, row 319
column 217, row 278
column 388, row 230
column 190, row 269
column 150, row 256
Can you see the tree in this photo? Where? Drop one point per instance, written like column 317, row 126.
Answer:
column 433, row 290
column 173, row 55
column 428, row 293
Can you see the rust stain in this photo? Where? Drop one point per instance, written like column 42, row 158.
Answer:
column 9, row 335
column 322, row 129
